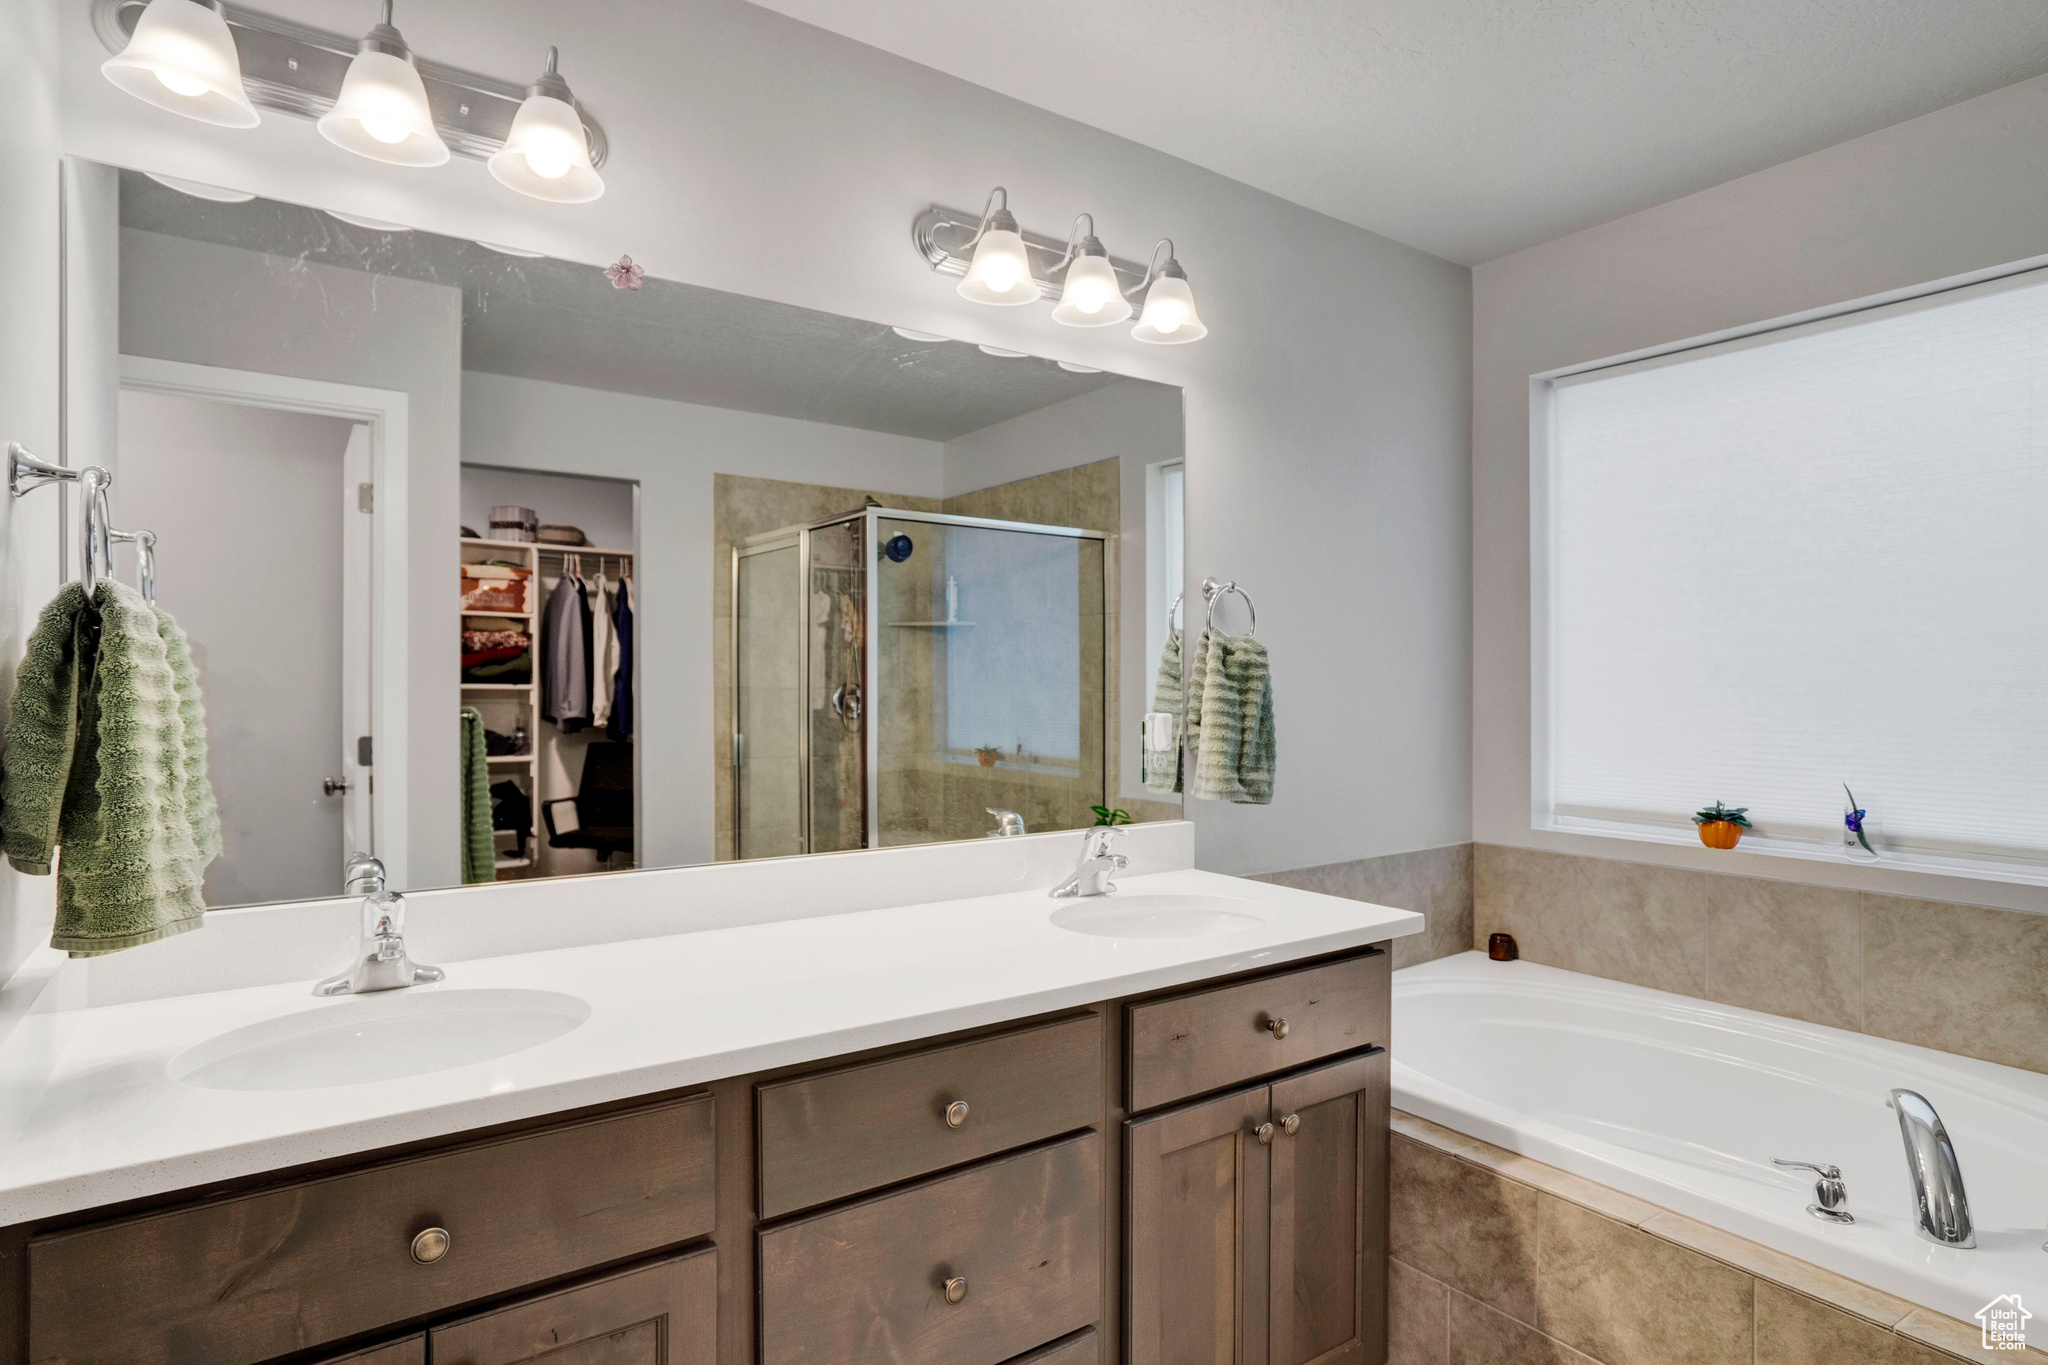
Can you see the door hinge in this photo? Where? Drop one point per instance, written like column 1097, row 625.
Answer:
column 363, row 751
column 739, row 751
column 366, row 497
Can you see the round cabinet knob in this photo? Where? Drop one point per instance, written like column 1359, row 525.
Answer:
column 1264, row 1133
column 956, row 1115
column 1291, row 1124
column 431, row 1245
column 956, row 1289
column 1277, row 1027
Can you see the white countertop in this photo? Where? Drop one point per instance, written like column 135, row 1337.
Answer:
column 90, row 1116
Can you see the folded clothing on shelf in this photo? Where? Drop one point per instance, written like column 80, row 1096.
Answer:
column 473, row 640
column 498, row 666
column 495, row 587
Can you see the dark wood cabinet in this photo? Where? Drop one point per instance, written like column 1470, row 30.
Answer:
column 1256, row 1224
column 411, row 1351
column 665, row 1313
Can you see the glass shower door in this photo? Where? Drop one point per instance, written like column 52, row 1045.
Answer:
column 835, row 788
column 991, row 686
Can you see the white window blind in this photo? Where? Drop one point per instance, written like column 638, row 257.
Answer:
column 1806, row 558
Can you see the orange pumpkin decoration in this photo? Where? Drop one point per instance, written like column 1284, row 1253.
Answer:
column 1720, row 833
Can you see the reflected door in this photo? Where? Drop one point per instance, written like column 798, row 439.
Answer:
column 990, row 689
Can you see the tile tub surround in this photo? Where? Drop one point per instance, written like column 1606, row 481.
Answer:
column 1498, row 1259
column 1433, row 882
column 1958, row 978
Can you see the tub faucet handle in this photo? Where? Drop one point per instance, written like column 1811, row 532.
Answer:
column 1829, row 1191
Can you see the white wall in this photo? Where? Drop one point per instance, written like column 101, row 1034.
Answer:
column 1327, row 411
column 672, row 450
column 1137, row 424
column 1961, row 189
column 221, row 305
column 251, row 502
column 29, row 334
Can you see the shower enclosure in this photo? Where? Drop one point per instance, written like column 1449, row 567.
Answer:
column 896, row 673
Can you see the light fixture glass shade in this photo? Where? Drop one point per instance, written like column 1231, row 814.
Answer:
column 547, row 154
column 1000, row 272
column 182, row 58
column 382, row 113
column 1091, row 296
column 199, row 189
column 1169, row 317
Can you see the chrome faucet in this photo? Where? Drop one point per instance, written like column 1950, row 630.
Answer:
column 381, row 962
column 1091, row 875
column 1941, row 1209
column 1009, row 824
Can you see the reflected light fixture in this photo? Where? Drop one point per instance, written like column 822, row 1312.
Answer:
column 1091, row 297
column 547, row 153
column 181, row 57
column 1169, row 317
column 199, row 189
column 1000, row 272
column 912, row 334
column 1002, row 352
column 1071, row 368
column 521, row 252
column 382, row 112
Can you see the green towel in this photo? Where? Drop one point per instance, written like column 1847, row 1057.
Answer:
column 1162, row 773
column 1194, row 676
column 1234, row 754
column 98, row 765
column 479, row 850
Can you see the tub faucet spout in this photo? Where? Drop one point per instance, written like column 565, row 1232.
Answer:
column 1941, row 1209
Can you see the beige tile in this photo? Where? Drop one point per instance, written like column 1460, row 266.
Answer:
column 1785, row 948
column 1435, row 882
column 1465, row 1226
column 1960, row 978
column 1836, row 1291
column 1625, row 921
column 1482, row 1336
column 1959, row 1340
column 1628, row 1298
column 1625, row 1208
column 1792, row 1329
column 1417, row 1329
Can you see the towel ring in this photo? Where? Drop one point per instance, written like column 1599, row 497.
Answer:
column 1214, row 591
column 1171, row 609
column 145, row 558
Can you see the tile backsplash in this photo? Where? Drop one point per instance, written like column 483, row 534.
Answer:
column 1434, row 882
column 1961, row 978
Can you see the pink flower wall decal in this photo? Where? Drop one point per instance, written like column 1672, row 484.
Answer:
column 625, row 275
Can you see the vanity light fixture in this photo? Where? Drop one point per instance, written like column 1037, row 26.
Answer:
column 181, row 57
column 547, row 153
column 199, row 189
column 382, row 112
column 1000, row 272
column 1169, row 317
column 1092, row 295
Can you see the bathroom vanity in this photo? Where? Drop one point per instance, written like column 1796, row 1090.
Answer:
column 1191, row 1172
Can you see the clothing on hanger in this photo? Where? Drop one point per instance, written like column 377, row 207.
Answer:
column 565, row 669
column 620, row 725
column 604, row 648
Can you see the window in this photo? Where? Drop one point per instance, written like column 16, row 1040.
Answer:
column 1809, row 557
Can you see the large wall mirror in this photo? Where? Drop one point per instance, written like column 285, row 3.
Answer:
column 499, row 567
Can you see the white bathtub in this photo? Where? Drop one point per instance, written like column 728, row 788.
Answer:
column 1684, row 1103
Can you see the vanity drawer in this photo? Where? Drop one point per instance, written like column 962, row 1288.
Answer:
column 844, row 1132
column 868, row 1283
column 282, row 1270
column 1207, row 1040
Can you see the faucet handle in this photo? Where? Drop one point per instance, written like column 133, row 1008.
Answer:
column 1009, row 823
column 362, row 875
column 1829, row 1192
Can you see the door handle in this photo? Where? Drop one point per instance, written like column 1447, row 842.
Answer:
column 333, row 786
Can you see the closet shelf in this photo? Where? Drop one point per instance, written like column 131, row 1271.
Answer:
column 504, row 863
column 931, row 625
column 509, row 615
column 497, row 687
column 509, row 758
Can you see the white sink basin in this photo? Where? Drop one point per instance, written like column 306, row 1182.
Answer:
column 380, row 1037
column 1166, row 916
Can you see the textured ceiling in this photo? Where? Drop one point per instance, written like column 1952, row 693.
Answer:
column 562, row 322
column 1469, row 128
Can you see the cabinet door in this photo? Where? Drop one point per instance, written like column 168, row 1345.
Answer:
column 1196, row 1233
column 410, row 1351
column 665, row 1313
column 1328, row 1215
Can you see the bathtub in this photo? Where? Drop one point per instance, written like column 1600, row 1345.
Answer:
column 1683, row 1103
